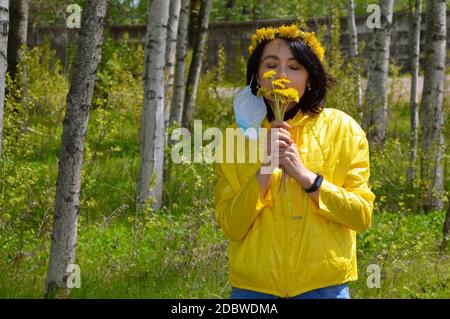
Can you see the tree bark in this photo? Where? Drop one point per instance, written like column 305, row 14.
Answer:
column 179, row 80
column 152, row 120
column 446, row 230
column 375, row 120
column 18, row 12
column 4, row 27
column 354, row 52
column 414, row 100
column 432, row 119
column 172, row 32
column 196, row 64
column 79, row 98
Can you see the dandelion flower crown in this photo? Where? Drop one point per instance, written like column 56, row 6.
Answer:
column 286, row 31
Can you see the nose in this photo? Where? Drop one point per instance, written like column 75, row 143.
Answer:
column 283, row 73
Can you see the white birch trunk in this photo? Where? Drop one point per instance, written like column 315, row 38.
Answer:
column 180, row 67
column 375, row 121
column 79, row 98
column 196, row 64
column 414, row 100
column 354, row 52
column 150, row 176
column 172, row 32
column 432, row 119
column 4, row 27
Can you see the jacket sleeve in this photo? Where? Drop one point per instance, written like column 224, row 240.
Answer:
column 237, row 210
column 352, row 204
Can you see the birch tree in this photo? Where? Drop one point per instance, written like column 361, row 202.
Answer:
column 176, row 112
column 67, row 204
column 172, row 32
column 353, row 34
column 196, row 64
column 18, row 33
column 414, row 99
column 150, row 176
column 375, row 120
column 446, row 230
column 431, row 116
column 4, row 27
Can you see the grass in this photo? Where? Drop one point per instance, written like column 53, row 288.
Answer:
column 115, row 263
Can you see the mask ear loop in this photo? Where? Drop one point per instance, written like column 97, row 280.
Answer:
column 251, row 80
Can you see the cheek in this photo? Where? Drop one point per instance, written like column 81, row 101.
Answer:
column 265, row 82
column 300, row 82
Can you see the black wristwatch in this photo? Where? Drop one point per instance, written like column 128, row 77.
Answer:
column 315, row 185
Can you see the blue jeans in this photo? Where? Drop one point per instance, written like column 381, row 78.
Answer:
column 331, row 292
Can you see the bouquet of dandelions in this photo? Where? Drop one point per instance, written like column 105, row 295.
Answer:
column 281, row 97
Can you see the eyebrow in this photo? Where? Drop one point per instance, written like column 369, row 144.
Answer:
column 276, row 58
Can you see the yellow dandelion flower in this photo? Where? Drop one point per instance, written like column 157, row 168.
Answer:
column 254, row 39
column 286, row 96
column 269, row 74
column 280, row 83
column 260, row 34
column 293, row 95
column 270, row 33
column 288, row 31
column 320, row 53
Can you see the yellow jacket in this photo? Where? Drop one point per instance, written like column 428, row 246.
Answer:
column 283, row 244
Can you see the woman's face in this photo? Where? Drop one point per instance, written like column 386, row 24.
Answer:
column 278, row 56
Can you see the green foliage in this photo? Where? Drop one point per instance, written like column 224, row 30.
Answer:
column 211, row 108
column 46, row 83
column 405, row 246
column 343, row 94
column 241, row 10
column 26, row 182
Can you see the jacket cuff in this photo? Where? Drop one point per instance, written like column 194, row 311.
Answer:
column 327, row 195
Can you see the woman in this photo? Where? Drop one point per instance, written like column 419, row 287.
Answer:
column 298, row 241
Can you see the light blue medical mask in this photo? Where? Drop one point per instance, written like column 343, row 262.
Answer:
column 249, row 112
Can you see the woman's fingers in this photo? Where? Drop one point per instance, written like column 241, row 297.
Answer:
column 282, row 144
column 280, row 124
column 280, row 136
column 285, row 152
column 285, row 136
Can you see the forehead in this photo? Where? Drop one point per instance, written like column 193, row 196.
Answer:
column 277, row 48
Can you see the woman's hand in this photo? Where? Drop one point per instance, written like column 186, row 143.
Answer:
column 282, row 139
column 292, row 164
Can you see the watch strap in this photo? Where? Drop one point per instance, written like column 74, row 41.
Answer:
column 315, row 185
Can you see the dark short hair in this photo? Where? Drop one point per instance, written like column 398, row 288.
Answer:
column 320, row 80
